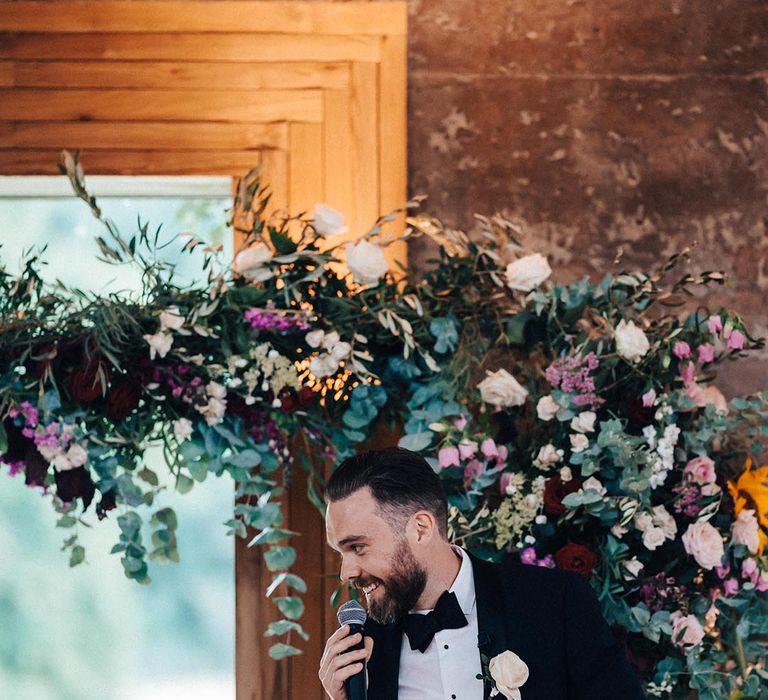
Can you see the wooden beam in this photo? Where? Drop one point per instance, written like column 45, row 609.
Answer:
column 175, row 75
column 161, row 105
column 318, row 18
column 161, row 136
column 235, row 48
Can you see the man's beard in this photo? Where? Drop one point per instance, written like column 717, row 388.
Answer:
column 402, row 588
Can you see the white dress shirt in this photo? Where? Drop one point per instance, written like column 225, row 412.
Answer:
column 448, row 669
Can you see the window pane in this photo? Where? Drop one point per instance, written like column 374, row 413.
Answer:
column 88, row 632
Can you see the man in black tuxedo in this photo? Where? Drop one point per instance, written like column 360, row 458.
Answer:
column 434, row 610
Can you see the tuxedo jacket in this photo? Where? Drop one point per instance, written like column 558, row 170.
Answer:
column 550, row 618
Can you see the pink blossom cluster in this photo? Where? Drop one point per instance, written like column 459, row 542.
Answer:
column 750, row 573
column 28, row 412
column 528, row 556
column 474, row 456
column 270, row 319
column 734, row 340
column 50, row 439
column 572, row 375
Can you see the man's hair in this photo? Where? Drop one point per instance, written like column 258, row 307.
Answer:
column 401, row 482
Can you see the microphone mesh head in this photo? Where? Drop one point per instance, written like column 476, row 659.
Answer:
column 352, row 613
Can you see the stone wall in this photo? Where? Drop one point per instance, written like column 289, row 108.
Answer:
column 601, row 125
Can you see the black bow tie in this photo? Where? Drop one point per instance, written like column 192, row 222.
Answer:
column 447, row 615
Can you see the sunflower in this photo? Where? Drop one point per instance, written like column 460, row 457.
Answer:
column 751, row 492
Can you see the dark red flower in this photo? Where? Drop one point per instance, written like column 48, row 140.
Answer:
column 555, row 490
column 106, row 503
column 35, row 467
column 85, row 382
column 75, row 483
column 122, row 399
column 576, row 557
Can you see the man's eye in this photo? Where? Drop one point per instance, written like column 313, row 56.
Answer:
column 357, row 548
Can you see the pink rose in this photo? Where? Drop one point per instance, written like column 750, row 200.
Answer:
column 467, row 449
column 715, row 324
column 701, row 470
column 688, row 372
column 745, row 531
column 681, row 350
column 707, row 396
column 473, row 469
column 704, row 544
column 706, row 353
column 460, row 422
column 736, row 340
column 448, row 457
column 648, row 398
column 686, row 630
column 501, row 456
column 730, row 587
column 489, row 449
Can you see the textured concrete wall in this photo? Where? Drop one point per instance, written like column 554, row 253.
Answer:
column 599, row 124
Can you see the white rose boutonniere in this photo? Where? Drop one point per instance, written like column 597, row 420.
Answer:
column 366, row 262
column 508, row 672
column 528, row 272
column 500, row 388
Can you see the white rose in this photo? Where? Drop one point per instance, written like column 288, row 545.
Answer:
column 509, row 672
column 618, row 531
column 547, row 408
column 663, row 519
column 330, row 340
column 366, row 262
column 584, row 422
column 579, row 442
column 745, row 531
column 595, row 485
column 548, row 455
column 159, row 344
column 77, row 455
column 182, row 428
column 327, row 221
column 314, row 338
column 704, row 543
column 61, row 463
column 631, row 342
column 528, row 273
column 566, row 474
column 633, row 567
column 251, row 262
column 653, row 537
column 171, row 319
column 500, row 388
column 213, row 411
column 643, row 521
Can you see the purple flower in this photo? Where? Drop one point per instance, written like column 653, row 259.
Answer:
column 715, row 324
column 271, row 319
column 706, row 353
column 571, row 374
column 473, row 470
column 547, row 561
column 723, row 571
column 730, row 587
column 681, row 350
column 448, row 457
column 528, row 556
column 736, row 340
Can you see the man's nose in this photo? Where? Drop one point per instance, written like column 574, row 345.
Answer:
column 349, row 570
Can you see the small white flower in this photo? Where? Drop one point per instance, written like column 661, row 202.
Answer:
column 528, row 272
column 643, row 521
column 595, row 485
column 366, row 262
column 541, row 519
column 182, row 428
column 213, row 411
column 159, row 344
column 579, row 442
column 61, row 463
column 327, row 221
column 584, row 422
column 633, row 568
column 216, row 390
column 171, row 319
column 547, row 456
column 662, row 518
column 566, row 474
column 315, row 338
column 631, row 342
column 547, row 408
column 618, row 531
column 500, row 388
column 653, row 537
column 323, row 366
column 745, row 530
column 509, row 672
column 251, row 262
column 330, row 340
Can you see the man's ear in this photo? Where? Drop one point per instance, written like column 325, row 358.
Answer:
column 424, row 526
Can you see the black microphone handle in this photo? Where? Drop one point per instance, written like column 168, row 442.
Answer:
column 355, row 685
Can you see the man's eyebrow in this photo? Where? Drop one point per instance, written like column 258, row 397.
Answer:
column 352, row 539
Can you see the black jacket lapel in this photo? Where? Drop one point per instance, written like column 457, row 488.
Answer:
column 491, row 610
column 384, row 666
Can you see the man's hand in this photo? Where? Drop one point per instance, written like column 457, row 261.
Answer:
column 338, row 664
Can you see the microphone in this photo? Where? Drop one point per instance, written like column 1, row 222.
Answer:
column 354, row 615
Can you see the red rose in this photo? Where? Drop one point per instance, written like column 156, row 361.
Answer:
column 85, row 382
column 576, row 557
column 555, row 490
column 122, row 399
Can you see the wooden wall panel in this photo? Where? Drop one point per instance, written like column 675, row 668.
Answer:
column 315, row 92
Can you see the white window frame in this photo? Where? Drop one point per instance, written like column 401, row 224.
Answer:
column 58, row 186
